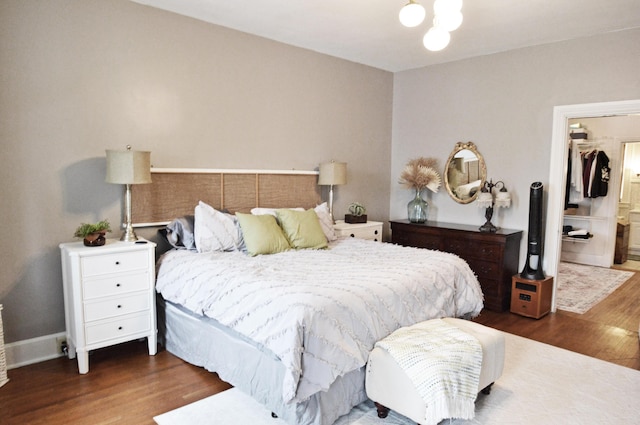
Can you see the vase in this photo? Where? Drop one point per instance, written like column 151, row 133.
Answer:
column 417, row 209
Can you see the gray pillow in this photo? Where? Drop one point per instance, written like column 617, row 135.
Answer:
column 180, row 233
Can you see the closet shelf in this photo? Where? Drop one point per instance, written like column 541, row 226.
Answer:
column 575, row 240
column 585, row 217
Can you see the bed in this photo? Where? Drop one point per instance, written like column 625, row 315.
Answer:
column 294, row 328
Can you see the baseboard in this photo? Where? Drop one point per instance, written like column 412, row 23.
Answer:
column 35, row 350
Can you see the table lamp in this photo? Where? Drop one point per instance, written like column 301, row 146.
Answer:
column 332, row 173
column 128, row 167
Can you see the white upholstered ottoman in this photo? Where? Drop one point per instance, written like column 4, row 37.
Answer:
column 390, row 388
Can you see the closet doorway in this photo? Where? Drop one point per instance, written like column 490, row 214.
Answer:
column 604, row 212
column 558, row 172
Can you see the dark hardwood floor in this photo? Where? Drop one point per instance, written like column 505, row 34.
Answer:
column 126, row 386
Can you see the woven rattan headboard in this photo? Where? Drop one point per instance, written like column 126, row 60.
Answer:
column 175, row 192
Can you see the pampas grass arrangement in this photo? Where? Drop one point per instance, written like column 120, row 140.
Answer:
column 420, row 173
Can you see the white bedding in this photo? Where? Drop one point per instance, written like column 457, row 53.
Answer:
column 320, row 311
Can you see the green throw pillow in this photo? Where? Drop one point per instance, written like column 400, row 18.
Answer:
column 262, row 235
column 302, row 228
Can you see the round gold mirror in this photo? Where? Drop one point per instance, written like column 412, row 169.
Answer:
column 464, row 173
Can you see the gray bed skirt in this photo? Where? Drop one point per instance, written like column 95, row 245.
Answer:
column 204, row 342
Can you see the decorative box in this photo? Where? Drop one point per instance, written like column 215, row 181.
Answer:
column 351, row 219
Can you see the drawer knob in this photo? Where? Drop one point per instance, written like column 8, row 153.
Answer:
column 119, row 306
column 119, row 328
column 117, row 263
column 117, row 285
column 375, row 232
column 352, row 235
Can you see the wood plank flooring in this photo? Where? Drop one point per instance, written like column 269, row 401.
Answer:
column 126, row 386
column 608, row 331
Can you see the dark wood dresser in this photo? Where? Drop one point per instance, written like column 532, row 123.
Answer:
column 493, row 257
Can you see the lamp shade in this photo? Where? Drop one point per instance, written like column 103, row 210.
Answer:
column 333, row 173
column 128, row 167
column 503, row 199
column 484, row 200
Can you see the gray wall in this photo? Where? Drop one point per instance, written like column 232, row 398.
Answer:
column 79, row 77
column 504, row 104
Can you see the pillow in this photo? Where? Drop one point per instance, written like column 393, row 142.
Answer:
column 326, row 222
column 180, row 233
column 302, row 229
column 215, row 230
column 261, row 234
column 270, row 211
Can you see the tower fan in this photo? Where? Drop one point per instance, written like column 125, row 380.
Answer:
column 533, row 267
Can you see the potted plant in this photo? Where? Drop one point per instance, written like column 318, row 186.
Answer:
column 358, row 213
column 93, row 234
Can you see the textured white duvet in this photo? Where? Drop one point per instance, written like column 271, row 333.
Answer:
column 321, row 311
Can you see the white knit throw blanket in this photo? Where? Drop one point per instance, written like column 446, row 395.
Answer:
column 443, row 363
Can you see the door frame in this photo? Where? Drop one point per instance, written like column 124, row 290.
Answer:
column 558, row 172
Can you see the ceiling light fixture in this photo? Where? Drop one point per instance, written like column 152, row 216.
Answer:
column 436, row 39
column 447, row 18
column 412, row 14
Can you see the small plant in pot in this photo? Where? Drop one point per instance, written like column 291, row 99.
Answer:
column 357, row 213
column 93, row 234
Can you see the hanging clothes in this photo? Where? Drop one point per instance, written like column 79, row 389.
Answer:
column 588, row 174
column 575, row 171
column 599, row 185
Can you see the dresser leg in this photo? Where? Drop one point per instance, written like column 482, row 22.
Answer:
column 83, row 361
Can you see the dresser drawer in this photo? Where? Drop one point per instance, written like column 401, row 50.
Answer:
column 114, row 263
column 121, row 328
column 117, row 306
column 115, row 285
column 484, row 268
column 474, row 249
column 416, row 240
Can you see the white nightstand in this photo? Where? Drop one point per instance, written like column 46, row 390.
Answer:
column 371, row 230
column 109, row 296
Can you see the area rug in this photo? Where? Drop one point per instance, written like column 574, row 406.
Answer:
column 540, row 385
column 581, row 287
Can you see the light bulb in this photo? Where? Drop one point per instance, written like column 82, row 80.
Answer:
column 444, row 6
column 412, row 14
column 449, row 21
column 436, row 39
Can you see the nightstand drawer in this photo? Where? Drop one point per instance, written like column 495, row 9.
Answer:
column 371, row 230
column 115, row 285
column 114, row 263
column 112, row 329
column 116, row 306
column 371, row 233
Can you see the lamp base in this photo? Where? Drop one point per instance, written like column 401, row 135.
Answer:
column 129, row 235
column 488, row 227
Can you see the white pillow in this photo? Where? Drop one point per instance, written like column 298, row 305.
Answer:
column 215, row 230
column 270, row 211
column 322, row 211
